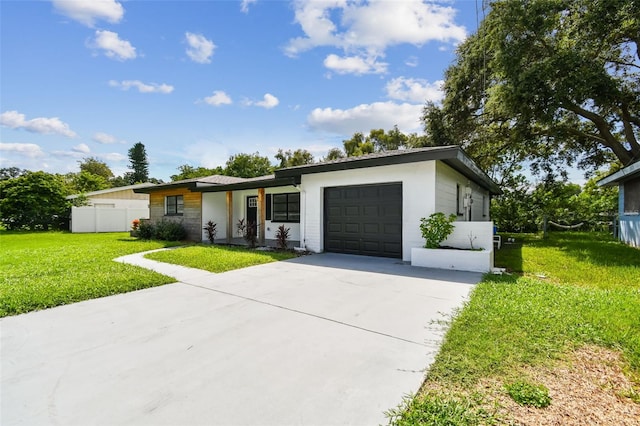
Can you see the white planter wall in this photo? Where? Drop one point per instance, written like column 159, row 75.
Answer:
column 458, row 260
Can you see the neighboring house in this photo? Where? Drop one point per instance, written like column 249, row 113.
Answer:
column 628, row 182
column 110, row 210
column 368, row 205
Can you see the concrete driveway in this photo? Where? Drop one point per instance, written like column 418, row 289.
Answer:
column 319, row 340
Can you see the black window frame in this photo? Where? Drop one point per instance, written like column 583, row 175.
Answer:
column 172, row 207
column 287, row 204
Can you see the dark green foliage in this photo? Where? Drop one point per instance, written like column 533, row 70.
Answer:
column 96, row 167
column 550, row 82
column 299, row 157
column 169, row 231
column 282, row 236
column 34, row 200
column 334, row 154
column 139, row 164
column 248, row 165
column 212, row 230
column 522, row 208
column 190, row 172
column 164, row 230
column 248, row 230
column 436, row 228
column 87, row 182
column 146, row 231
column 528, row 394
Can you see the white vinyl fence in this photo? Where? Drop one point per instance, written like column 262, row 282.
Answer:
column 92, row 219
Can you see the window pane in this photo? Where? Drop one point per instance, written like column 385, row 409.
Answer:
column 180, row 204
column 279, row 217
column 279, row 198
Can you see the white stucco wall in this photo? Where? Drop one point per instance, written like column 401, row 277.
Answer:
column 118, row 203
column 418, row 198
column 447, row 182
column 214, row 207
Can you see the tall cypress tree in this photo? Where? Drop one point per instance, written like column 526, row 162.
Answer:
column 139, row 164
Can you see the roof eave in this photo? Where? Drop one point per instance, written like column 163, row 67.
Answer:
column 622, row 175
column 255, row 184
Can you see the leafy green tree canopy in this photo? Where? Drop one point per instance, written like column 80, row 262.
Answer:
column 96, row 167
column 190, row 172
column 139, row 164
column 299, row 157
column 248, row 165
column 34, row 200
column 87, row 182
column 554, row 82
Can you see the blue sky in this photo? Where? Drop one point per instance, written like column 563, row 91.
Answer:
column 198, row 81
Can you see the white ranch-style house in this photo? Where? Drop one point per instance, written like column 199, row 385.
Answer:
column 367, row 205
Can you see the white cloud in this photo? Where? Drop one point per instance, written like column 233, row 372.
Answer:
column 354, row 65
column 114, row 47
column 206, row 153
column 104, row 138
column 44, row 125
column 87, row 12
column 29, row 150
column 412, row 61
column 218, row 98
column 369, row 28
column 82, row 148
column 244, row 6
column 268, row 101
column 112, row 156
column 200, row 49
column 363, row 118
column 415, row 90
column 142, row 87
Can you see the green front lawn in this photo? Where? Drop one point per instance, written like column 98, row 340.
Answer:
column 40, row 270
column 218, row 258
column 569, row 290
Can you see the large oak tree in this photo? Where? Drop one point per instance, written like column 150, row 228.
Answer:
column 552, row 82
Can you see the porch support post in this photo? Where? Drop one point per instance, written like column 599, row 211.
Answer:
column 262, row 213
column 229, row 216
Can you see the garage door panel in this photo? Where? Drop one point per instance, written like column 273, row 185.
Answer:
column 353, row 228
column 365, row 219
column 392, row 228
column 371, row 228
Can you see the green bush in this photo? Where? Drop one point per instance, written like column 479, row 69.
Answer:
column 170, row 231
column 436, row 229
column 167, row 231
column 529, row 394
column 146, row 231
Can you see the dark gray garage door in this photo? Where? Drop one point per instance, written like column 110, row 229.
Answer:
column 364, row 219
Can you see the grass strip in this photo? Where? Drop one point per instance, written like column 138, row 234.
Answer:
column 218, row 258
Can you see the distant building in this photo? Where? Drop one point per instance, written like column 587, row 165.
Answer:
column 628, row 182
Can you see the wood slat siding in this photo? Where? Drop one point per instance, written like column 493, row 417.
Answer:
column 192, row 216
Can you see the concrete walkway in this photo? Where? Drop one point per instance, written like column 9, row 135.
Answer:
column 318, row 340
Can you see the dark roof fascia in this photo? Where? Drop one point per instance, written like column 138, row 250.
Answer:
column 163, row 186
column 453, row 156
column 254, row 184
column 622, row 175
column 465, row 165
column 369, row 161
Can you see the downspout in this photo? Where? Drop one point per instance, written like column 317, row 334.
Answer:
column 303, row 214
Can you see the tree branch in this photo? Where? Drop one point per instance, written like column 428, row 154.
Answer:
column 608, row 139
